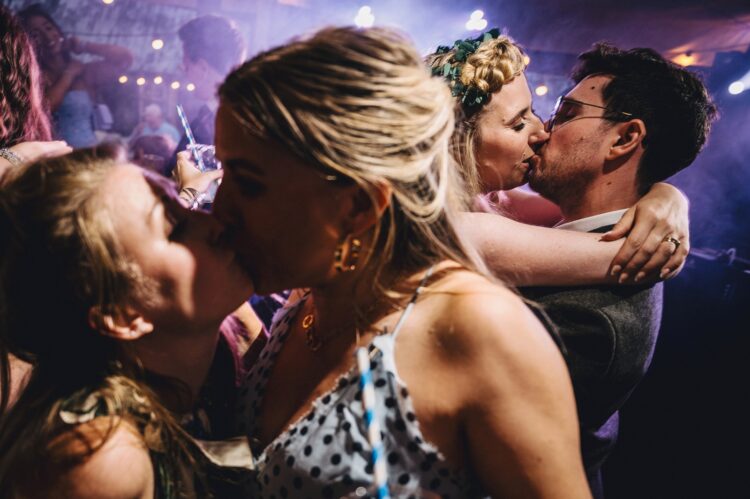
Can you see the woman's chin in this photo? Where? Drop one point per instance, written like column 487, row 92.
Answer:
column 513, row 182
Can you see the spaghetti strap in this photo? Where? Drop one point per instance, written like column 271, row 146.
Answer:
column 326, row 452
column 412, row 302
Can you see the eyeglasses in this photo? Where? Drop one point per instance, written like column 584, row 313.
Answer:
column 566, row 110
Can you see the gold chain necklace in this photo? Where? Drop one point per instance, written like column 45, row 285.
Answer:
column 315, row 341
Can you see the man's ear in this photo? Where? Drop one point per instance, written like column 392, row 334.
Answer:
column 630, row 135
column 366, row 208
column 123, row 324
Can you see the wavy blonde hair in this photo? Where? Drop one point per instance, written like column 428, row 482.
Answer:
column 59, row 257
column 496, row 62
column 360, row 105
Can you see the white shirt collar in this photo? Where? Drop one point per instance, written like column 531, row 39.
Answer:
column 594, row 222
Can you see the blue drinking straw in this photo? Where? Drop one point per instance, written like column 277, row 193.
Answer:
column 373, row 426
column 191, row 139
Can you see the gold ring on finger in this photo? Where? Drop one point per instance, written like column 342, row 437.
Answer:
column 673, row 240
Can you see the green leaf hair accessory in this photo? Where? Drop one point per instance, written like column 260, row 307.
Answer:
column 470, row 96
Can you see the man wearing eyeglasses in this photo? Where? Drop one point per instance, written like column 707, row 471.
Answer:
column 633, row 119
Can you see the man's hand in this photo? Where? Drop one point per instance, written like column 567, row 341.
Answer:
column 652, row 226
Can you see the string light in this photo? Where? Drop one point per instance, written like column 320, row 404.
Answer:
column 190, row 87
column 158, row 80
column 123, row 79
column 541, row 90
column 476, row 21
column 736, row 88
column 108, row 2
column 157, row 44
column 175, row 85
column 140, row 81
column 364, row 18
column 686, row 59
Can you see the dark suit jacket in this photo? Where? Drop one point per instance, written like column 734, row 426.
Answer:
column 609, row 334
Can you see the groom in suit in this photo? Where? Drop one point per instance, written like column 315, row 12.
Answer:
column 633, row 119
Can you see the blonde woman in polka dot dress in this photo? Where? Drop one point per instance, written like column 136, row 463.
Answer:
column 339, row 182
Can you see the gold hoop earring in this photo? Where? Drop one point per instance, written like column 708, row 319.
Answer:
column 346, row 256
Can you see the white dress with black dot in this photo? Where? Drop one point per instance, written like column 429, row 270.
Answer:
column 326, row 452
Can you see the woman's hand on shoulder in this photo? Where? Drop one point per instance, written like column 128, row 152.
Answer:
column 648, row 253
column 120, row 468
column 517, row 406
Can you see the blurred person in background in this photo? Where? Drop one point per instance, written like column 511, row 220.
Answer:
column 153, row 123
column 24, row 122
column 71, row 86
column 152, row 152
column 211, row 46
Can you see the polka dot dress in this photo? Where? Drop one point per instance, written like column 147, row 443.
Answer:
column 326, row 453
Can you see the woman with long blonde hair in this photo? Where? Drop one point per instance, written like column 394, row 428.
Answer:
column 339, row 181
column 114, row 293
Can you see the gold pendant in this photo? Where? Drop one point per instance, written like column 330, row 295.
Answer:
column 308, row 321
column 312, row 340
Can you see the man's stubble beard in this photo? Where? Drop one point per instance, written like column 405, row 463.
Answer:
column 563, row 184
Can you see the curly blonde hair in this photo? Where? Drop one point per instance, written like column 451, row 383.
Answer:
column 494, row 63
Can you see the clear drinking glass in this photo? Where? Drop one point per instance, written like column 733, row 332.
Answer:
column 207, row 154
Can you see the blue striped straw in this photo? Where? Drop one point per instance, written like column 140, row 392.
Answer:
column 373, row 426
column 191, row 139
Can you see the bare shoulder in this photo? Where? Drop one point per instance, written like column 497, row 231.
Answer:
column 120, row 468
column 472, row 312
column 474, row 346
column 503, row 381
column 484, row 334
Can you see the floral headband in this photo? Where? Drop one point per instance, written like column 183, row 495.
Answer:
column 470, row 96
